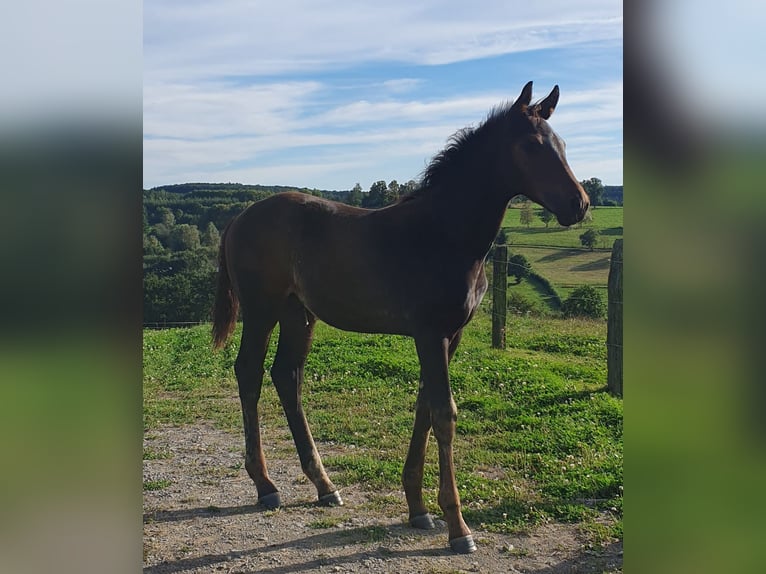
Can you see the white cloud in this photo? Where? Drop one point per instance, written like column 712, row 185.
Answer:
column 374, row 133
column 401, row 85
column 235, row 37
column 217, row 109
column 364, row 111
column 234, row 91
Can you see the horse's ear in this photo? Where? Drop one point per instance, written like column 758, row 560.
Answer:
column 547, row 106
column 523, row 100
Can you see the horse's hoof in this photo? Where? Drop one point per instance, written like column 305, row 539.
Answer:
column 423, row 521
column 332, row 499
column 463, row 545
column 270, row 501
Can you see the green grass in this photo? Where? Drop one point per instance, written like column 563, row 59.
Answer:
column 565, row 269
column 556, row 253
column 568, row 266
column 156, row 484
column 326, row 522
column 152, row 454
column 606, row 220
column 538, row 436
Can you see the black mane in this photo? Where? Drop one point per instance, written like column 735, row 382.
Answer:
column 461, row 147
column 464, row 143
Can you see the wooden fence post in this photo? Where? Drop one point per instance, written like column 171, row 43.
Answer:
column 499, row 286
column 614, row 322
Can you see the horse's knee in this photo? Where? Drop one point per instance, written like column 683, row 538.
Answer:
column 441, row 414
column 284, row 374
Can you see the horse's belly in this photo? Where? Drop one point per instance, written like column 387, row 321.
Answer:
column 358, row 318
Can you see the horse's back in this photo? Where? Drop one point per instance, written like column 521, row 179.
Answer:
column 356, row 269
column 279, row 244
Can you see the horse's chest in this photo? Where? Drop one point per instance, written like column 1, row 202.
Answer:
column 463, row 301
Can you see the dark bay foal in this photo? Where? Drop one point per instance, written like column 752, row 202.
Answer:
column 413, row 268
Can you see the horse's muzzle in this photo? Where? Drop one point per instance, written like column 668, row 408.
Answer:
column 579, row 207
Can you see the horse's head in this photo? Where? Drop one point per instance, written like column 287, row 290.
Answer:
column 538, row 166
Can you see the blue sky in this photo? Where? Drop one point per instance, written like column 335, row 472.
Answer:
column 326, row 94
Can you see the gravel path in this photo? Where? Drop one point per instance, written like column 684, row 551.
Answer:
column 200, row 516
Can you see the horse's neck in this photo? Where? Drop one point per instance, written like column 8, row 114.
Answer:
column 472, row 216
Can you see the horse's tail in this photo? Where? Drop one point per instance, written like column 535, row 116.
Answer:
column 226, row 304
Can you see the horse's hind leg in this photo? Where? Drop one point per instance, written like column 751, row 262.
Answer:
column 248, row 367
column 296, row 327
column 412, row 475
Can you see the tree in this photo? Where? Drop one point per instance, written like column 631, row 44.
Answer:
column 588, row 239
column 409, row 187
column 221, row 213
column 525, row 217
column 595, row 190
column 162, row 233
column 377, row 195
column 355, row 195
column 587, row 218
column 392, row 193
column 210, row 237
column 584, row 301
column 502, row 237
column 145, row 218
column 179, row 288
column 545, row 216
column 166, row 216
column 519, row 267
column 166, row 225
column 152, row 245
column 184, row 237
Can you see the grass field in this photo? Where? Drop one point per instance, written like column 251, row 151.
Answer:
column 556, row 253
column 606, row 220
column 539, row 438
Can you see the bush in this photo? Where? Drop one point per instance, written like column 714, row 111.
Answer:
column 183, row 297
column 519, row 304
column 519, row 267
column 542, row 284
column 585, row 301
column 179, row 288
column 588, row 239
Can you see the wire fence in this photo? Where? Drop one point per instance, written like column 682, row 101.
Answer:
column 548, row 298
column 503, row 268
column 159, row 325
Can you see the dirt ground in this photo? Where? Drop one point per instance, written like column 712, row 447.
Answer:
column 207, row 520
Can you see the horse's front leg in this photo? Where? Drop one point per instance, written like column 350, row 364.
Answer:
column 412, row 476
column 434, row 358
